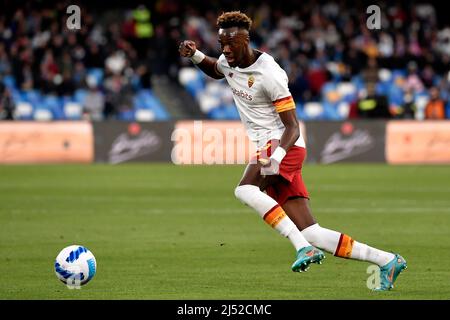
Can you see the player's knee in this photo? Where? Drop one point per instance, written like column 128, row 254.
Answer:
column 239, row 192
column 244, row 193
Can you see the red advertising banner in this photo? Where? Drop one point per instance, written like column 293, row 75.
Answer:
column 50, row 142
column 410, row 142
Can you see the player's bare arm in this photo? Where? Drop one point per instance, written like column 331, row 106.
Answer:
column 208, row 65
column 292, row 131
column 287, row 140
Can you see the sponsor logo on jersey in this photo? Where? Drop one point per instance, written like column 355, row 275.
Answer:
column 242, row 94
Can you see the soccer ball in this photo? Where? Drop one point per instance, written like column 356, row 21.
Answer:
column 75, row 265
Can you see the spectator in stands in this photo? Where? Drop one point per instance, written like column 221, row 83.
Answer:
column 413, row 81
column 49, row 70
column 435, row 108
column 94, row 102
column 428, row 75
column 79, row 74
column 298, row 83
column 409, row 107
column 94, row 58
column 355, row 59
column 6, row 103
column 370, row 73
column 316, row 77
column 118, row 87
column 5, row 65
column 144, row 75
column 373, row 105
column 65, row 85
column 119, row 95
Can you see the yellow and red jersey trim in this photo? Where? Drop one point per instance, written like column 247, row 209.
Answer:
column 345, row 246
column 284, row 104
column 274, row 216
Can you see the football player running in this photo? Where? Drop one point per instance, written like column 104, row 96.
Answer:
column 272, row 182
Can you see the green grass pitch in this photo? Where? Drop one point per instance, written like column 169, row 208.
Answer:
column 160, row 231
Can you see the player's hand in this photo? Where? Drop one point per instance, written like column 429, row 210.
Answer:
column 187, row 48
column 270, row 167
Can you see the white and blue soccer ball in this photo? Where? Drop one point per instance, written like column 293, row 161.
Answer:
column 75, row 265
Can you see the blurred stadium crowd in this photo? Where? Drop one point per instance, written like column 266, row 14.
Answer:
column 337, row 68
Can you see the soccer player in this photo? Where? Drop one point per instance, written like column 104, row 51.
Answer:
column 272, row 184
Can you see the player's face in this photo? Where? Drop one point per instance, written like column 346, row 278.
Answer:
column 233, row 42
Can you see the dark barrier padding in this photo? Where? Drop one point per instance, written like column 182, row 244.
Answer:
column 350, row 141
column 117, row 142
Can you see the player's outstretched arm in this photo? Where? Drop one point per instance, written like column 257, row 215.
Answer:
column 207, row 64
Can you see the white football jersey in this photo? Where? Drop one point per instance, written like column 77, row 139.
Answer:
column 260, row 92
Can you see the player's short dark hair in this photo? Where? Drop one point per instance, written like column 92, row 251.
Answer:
column 234, row 19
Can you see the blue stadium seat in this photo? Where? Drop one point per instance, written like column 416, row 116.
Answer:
column 330, row 111
column 195, row 87
column 396, row 95
column 313, row 110
column 193, row 81
column 399, row 73
column 24, row 111
column 146, row 99
column 32, row 96
column 217, row 113
column 383, row 88
column 9, row 81
column 97, row 74
column 80, row 96
column 358, row 81
column 72, row 110
column 436, row 80
column 328, row 87
column 231, row 112
column 136, row 83
column 55, row 105
column 17, row 96
column 43, row 112
column 299, row 110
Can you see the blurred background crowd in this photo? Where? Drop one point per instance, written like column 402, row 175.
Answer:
column 123, row 63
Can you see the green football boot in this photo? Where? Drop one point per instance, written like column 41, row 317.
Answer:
column 306, row 256
column 390, row 272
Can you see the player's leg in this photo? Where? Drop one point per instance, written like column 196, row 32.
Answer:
column 342, row 245
column 249, row 192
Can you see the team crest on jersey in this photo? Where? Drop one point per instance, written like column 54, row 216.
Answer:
column 230, row 74
column 250, row 81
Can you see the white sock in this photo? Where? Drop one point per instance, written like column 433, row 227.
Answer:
column 364, row 252
column 341, row 245
column 322, row 238
column 272, row 213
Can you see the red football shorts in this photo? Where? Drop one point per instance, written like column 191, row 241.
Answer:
column 291, row 170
